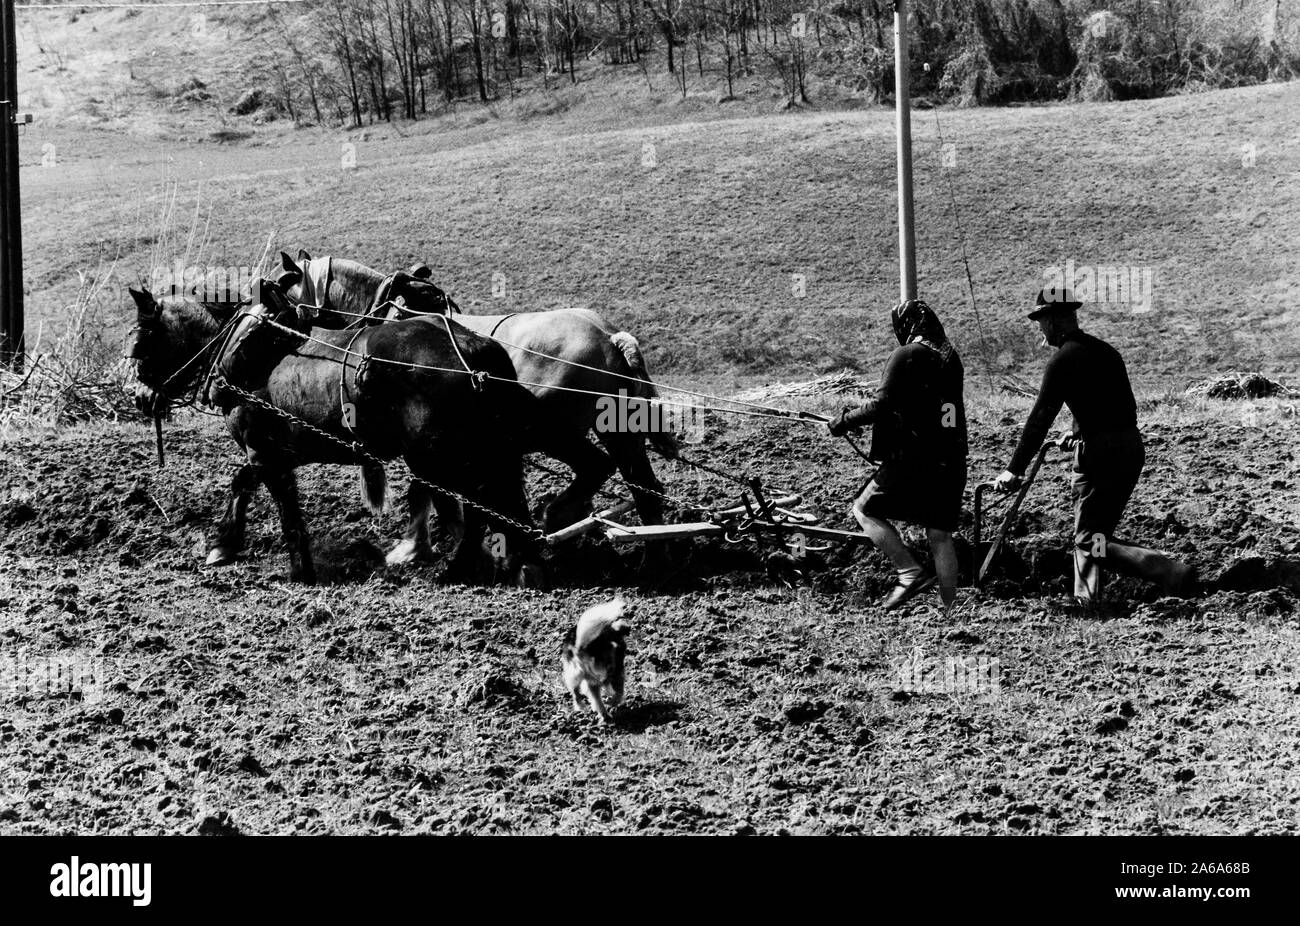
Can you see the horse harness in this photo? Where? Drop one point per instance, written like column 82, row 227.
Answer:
column 317, row 273
column 349, row 420
column 477, row 377
column 504, row 319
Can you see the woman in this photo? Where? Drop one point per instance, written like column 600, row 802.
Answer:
column 918, row 420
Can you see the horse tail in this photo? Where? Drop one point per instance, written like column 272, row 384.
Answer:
column 374, row 486
column 630, row 348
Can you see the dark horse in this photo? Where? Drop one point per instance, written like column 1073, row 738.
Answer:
column 404, row 389
column 595, row 362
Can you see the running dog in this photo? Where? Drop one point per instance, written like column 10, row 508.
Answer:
column 592, row 657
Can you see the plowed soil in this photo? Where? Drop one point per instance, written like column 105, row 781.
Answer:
column 761, row 697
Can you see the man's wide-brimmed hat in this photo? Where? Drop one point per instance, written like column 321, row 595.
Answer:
column 1054, row 299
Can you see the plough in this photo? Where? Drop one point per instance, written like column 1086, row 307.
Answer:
column 756, row 515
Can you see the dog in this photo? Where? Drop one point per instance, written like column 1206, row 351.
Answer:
column 592, row 657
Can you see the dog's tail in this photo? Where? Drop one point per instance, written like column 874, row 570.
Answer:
column 600, row 619
column 374, row 487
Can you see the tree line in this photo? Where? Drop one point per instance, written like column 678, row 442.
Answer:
column 356, row 61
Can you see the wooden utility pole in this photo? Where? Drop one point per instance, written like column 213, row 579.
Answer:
column 903, row 120
column 12, row 346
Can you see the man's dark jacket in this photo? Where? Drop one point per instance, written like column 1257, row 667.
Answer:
column 1089, row 376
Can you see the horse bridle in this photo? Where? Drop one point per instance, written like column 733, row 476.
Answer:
column 149, row 324
column 382, row 299
column 238, row 330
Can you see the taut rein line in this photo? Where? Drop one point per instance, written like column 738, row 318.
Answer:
column 477, row 377
column 343, row 378
column 375, row 316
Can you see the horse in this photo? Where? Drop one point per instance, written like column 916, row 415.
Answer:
column 441, row 397
column 597, row 367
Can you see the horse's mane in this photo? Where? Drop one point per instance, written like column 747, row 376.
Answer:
column 207, row 316
column 349, row 278
column 343, row 267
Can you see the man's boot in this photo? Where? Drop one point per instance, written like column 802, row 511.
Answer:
column 1087, row 578
column 1176, row 578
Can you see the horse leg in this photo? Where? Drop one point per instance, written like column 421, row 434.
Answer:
column 414, row 545
column 628, row 451
column 283, row 486
column 229, row 540
column 464, row 523
column 591, row 468
column 629, row 454
column 504, row 493
column 450, row 518
column 462, row 565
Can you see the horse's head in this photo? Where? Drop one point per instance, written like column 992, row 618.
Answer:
column 164, row 346
column 291, row 275
column 323, row 283
column 418, row 294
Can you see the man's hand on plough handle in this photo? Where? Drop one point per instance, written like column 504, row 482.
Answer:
column 1008, row 481
column 1005, row 483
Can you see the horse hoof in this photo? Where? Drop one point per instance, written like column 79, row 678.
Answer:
column 530, row 575
column 408, row 551
column 222, row 556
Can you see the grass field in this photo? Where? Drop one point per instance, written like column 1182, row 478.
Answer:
column 761, row 245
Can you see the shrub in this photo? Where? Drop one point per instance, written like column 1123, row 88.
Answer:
column 970, row 78
column 81, row 376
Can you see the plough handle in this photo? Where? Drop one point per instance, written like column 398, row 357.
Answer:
column 764, row 507
column 1009, row 518
column 980, row 489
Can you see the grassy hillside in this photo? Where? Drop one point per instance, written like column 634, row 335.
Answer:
column 689, row 232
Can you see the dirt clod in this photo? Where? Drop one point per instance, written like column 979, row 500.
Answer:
column 1108, row 725
column 386, row 820
column 802, row 710
column 250, row 764
column 218, row 824
column 492, row 689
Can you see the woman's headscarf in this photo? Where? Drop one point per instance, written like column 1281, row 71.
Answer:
column 914, row 320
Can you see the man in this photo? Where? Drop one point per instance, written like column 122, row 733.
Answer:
column 918, row 420
column 1089, row 376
